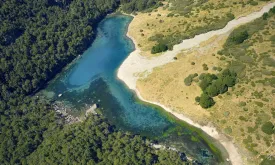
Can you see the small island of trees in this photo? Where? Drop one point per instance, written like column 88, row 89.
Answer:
column 212, row 85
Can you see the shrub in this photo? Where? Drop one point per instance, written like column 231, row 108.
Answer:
column 219, row 69
column 159, row 48
column 260, row 104
column 189, row 79
column 269, row 61
column 253, row 3
column 265, row 16
column 205, row 67
column 268, row 161
column 268, row 128
column 170, row 15
column 230, row 16
column 206, row 101
column 197, row 99
column 242, row 104
column 246, row 59
column 272, row 38
column 228, row 130
column 237, row 37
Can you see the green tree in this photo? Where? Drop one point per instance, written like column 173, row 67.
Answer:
column 206, row 101
column 212, row 90
column 206, row 80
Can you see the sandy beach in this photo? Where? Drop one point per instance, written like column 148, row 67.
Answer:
column 136, row 63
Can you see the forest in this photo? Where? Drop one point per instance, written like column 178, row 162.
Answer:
column 96, row 142
column 38, row 39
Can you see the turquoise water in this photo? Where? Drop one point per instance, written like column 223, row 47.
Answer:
column 92, row 79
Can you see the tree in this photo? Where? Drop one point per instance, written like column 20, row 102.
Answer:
column 220, row 86
column 212, row 90
column 228, row 77
column 206, row 80
column 206, row 101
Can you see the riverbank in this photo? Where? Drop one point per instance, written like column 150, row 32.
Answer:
column 136, row 65
column 232, row 150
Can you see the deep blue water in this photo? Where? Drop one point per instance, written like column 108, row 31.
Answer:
column 92, row 79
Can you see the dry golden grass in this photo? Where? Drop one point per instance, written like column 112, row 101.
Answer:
column 242, row 123
column 145, row 25
column 166, row 84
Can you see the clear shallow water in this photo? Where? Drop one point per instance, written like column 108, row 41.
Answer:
column 92, row 79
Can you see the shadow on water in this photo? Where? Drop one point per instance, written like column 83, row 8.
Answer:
column 92, row 80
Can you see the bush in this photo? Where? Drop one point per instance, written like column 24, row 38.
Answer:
column 237, row 37
column 188, row 80
column 205, row 67
column 228, row 130
column 170, row 15
column 206, row 101
column 230, row 16
column 260, row 104
column 197, row 99
column 268, row 161
column 253, row 3
column 242, row 104
column 269, row 61
column 268, row 128
column 159, row 48
column 265, row 16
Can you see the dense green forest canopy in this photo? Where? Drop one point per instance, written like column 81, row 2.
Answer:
column 95, row 142
column 130, row 6
column 37, row 39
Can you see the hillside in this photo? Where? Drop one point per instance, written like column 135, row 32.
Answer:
column 177, row 20
column 244, row 110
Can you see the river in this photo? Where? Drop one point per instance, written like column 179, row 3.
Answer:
column 92, row 79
